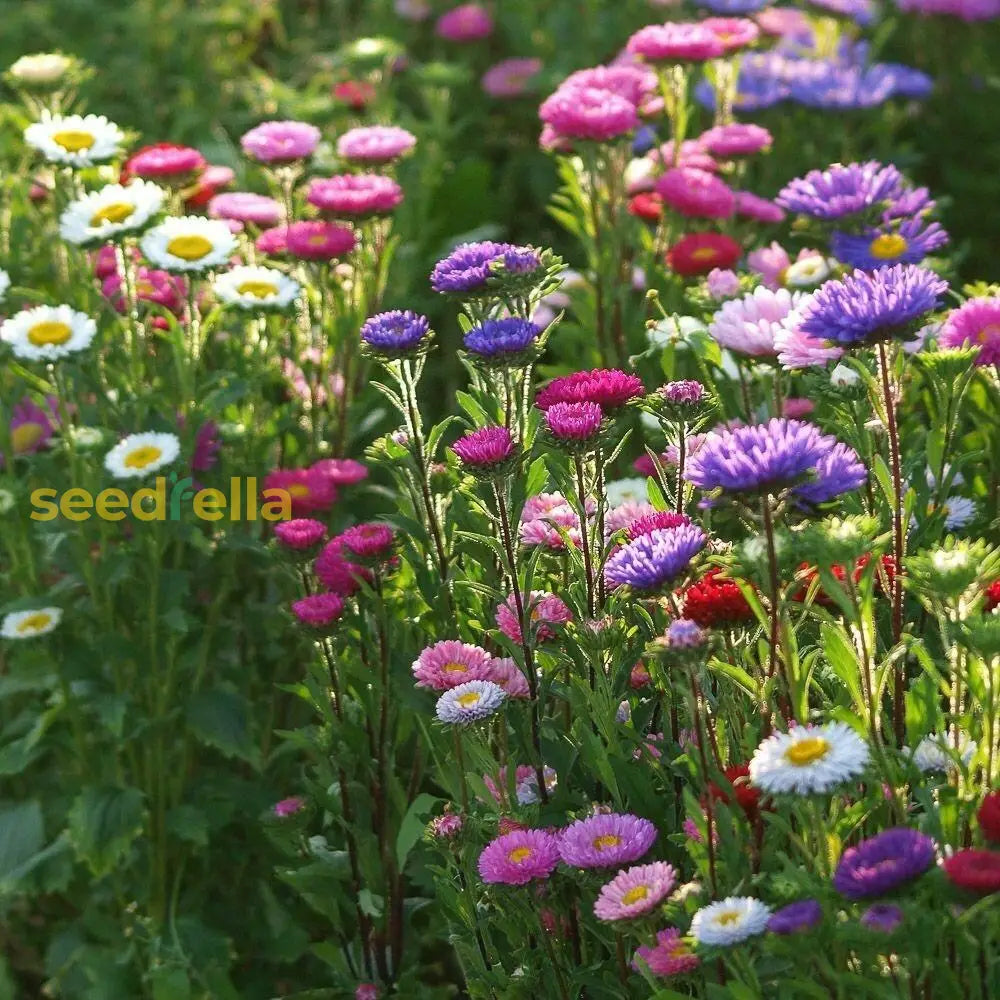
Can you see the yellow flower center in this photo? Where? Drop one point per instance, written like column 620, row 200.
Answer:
column 728, row 917
column 257, row 289
column 142, row 457
column 117, row 211
column 519, row 854
column 703, row 253
column 299, row 490
column 468, row 699
column 606, row 840
column 635, row 895
column 143, row 287
column 807, row 751
column 35, row 622
column 191, row 247
column 73, row 140
column 49, row 331
column 316, row 240
column 455, row 668
column 25, row 437
column 888, row 246
column 988, row 332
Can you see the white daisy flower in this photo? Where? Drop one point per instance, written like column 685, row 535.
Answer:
column 87, row 437
column 808, row 272
column 808, row 759
column 41, row 68
column 730, row 920
column 140, row 454
column 937, row 753
column 4, row 283
column 190, row 243
column 76, row 140
column 28, row 624
column 621, row 491
column 255, row 288
column 115, row 209
column 843, row 377
column 470, row 702
column 47, row 333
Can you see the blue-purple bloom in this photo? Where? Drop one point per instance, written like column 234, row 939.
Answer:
column 842, row 190
column 865, row 307
column 396, row 331
column 682, row 633
column 884, row 917
column 652, row 561
column 862, row 12
column 883, row 863
column 469, row 266
column 781, row 454
column 908, row 243
column 730, row 8
column 501, row 336
column 798, row 916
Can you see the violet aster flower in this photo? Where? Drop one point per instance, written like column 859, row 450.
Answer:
column 913, row 240
column 883, row 863
column 653, row 561
column 608, row 387
column 735, row 139
column 468, row 22
column 519, row 857
column 375, row 143
column 318, row 610
column 842, row 190
column 781, row 454
column 696, row 193
column 682, row 633
column 301, row 533
column 317, row 240
column 355, row 195
column 975, row 323
column 587, row 113
column 485, row 448
column 281, row 142
column 635, row 891
column 470, row 266
column 574, row 421
column 733, row 6
column 245, row 206
column 864, row 308
column 396, row 332
column 675, row 42
column 799, row 916
column 606, row 839
column 884, row 917
column 499, row 339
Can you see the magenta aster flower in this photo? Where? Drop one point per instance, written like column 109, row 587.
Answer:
column 207, row 444
column 366, row 991
column 975, row 323
column 338, row 574
column 318, row 610
column 273, row 242
column 736, row 139
column 655, row 520
column 510, row 77
column 589, row 113
column 468, row 22
column 301, row 533
column 354, row 195
column 543, row 609
column 369, row 541
column 289, row 806
column 31, row 427
column 163, row 161
column 629, row 80
column 485, row 448
column 750, row 206
column 341, row 471
column 606, row 839
column 375, row 143
column 447, row 826
column 675, row 42
column 152, row 287
column 883, row 863
column 696, row 193
column 750, row 324
column 308, row 490
column 245, row 206
column 574, row 421
column 609, row 388
column 319, row 240
column 671, row 955
column 519, row 857
column 635, row 891
column 281, row 142
column 448, row 663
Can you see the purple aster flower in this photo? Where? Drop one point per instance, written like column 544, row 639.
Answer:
column 781, row 454
column 280, row 142
column 207, row 445
column 574, row 421
column 842, row 190
column 799, row 916
column 653, row 561
column 519, row 857
column 883, row 863
column 497, row 338
column 606, row 839
column 913, row 240
column 862, row 12
column 395, row 332
column 468, row 268
column 730, row 7
column 686, row 392
column 865, row 307
column 884, row 917
column 484, row 448
column 682, row 633
column 31, row 426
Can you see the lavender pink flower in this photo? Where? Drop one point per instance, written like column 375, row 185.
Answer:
column 543, row 609
column 519, row 857
column 355, row 195
column 675, row 42
column 281, row 141
column 670, row 956
column 606, row 839
column 468, row 22
column 375, row 143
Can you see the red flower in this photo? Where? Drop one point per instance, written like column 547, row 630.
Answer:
column 989, row 817
column 977, row 871
column 712, row 601
column 747, row 797
column 699, row 253
column 356, row 94
column 647, row 205
column 992, row 596
column 839, row 573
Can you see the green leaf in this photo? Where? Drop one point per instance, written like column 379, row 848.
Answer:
column 412, row 827
column 221, row 719
column 22, row 833
column 371, row 905
column 188, row 823
column 103, row 823
column 170, row 983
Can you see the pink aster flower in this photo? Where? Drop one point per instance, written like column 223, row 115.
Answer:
column 319, row 240
column 338, row 574
column 245, row 206
column 670, row 956
column 152, row 287
column 308, row 490
column 273, row 242
column 732, row 32
column 519, row 857
column 696, row 193
column 280, row 142
column 574, row 421
column 412, row 10
column 608, row 387
column 318, row 610
column 544, row 515
column 675, row 42
column 606, row 839
column 289, row 806
column 543, row 609
column 366, row 991
column 355, row 195
column 690, row 154
column 722, row 284
column 163, row 161
column 369, row 541
column 635, row 891
column 632, row 81
column 620, row 517
column 301, row 533
column 447, row 826
column 655, row 521
column 770, row 263
column 796, row 407
column 375, row 143
column 341, row 471
column 750, row 324
column 796, row 349
column 589, row 113
column 448, row 663
column 484, row 448
column 750, row 206
column 510, row 77
column 207, row 445
column 505, row 672
column 467, row 23
column 736, row 139
column 976, row 323
column 31, row 427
